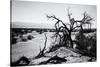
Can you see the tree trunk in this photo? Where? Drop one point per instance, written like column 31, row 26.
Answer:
column 70, row 40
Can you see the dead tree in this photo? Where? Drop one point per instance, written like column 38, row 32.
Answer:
column 68, row 28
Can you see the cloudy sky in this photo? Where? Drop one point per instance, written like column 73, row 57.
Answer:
column 33, row 14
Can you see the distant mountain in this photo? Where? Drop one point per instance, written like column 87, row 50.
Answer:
column 31, row 25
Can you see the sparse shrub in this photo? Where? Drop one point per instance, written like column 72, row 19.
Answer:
column 24, row 38
column 13, row 40
column 87, row 44
column 29, row 37
column 14, row 37
column 40, row 32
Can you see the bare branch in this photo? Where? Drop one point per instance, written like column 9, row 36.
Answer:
column 58, row 20
column 41, row 53
column 76, row 27
column 86, row 18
